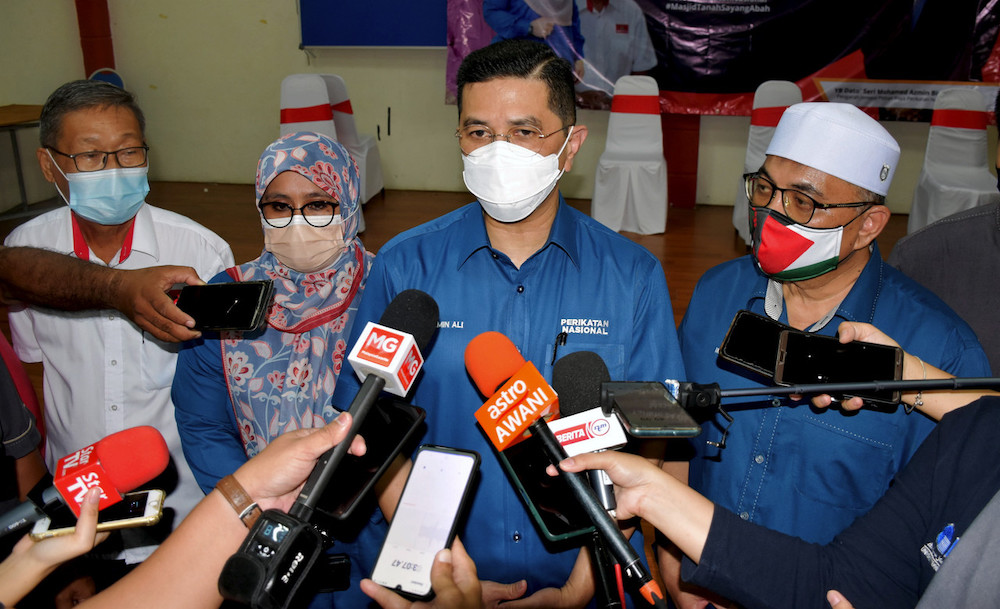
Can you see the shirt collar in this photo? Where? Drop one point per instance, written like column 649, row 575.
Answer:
column 472, row 235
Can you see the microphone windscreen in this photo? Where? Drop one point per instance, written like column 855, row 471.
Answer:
column 415, row 313
column 132, row 457
column 491, row 359
column 577, row 379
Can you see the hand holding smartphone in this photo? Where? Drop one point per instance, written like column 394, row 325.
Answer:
column 142, row 508
column 425, row 520
column 806, row 358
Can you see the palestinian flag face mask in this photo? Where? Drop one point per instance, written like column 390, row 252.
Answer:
column 787, row 251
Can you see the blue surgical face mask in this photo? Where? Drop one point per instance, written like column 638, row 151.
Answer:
column 108, row 196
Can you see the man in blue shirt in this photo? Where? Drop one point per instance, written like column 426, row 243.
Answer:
column 817, row 204
column 521, row 262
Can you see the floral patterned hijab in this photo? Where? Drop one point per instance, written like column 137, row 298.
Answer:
column 283, row 378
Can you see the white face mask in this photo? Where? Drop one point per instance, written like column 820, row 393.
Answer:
column 305, row 248
column 510, row 181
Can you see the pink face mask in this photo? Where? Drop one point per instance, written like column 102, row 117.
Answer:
column 303, row 247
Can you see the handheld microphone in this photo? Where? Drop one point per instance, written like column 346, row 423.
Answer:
column 583, row 426
column 116, row 464
column 518, row 406
column 271, row 568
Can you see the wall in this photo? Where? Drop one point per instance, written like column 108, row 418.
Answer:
column 207, row 74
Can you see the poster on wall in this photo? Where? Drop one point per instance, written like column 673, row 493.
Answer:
column 708, row 56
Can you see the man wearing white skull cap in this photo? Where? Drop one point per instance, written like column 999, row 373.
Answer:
column 817, row 205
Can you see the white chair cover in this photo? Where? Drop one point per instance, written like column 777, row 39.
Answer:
column 769, row 102
column 362, row 146
column 956, row 174
column 305, row 106
column 630, row 189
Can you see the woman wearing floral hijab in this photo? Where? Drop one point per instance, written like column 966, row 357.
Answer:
column 236, row 391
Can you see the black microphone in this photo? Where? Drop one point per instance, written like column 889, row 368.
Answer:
column 271, row 568
column 577, row 379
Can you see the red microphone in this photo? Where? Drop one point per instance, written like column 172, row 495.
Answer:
column 116, row 464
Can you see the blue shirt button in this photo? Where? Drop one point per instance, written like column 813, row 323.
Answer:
column 520, row 289
column 516, row 537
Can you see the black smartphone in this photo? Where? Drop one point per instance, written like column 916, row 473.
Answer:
column 752, row 342
column 425, row 520
column 647, row 410
column 806, row 358
column 241, row 305
column 387, row 429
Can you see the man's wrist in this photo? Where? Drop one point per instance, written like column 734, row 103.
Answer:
column 243, row 504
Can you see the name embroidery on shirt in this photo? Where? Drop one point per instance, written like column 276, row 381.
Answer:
column 451, row 324
column 585, row 326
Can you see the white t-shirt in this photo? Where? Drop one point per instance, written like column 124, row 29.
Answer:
column 101, row 373
column 616, row 43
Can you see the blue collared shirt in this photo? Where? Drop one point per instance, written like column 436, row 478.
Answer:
column 606, row 293
column 804, row 471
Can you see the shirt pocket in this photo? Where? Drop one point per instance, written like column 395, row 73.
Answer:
column 842, row 465
column 157, row 361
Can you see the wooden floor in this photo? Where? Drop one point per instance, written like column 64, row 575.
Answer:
column 696, row 239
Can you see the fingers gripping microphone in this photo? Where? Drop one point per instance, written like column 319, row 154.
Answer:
column 271, row 568
column 582, row 425
column 518, row 406
column 115, row 464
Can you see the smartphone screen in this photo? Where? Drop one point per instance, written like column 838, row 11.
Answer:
column 425, row 519
column 806, row 358
column 140, row 508
column 752, row 342
column 386, row 430
column 227, row 306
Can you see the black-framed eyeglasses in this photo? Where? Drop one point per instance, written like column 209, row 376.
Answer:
column 96, row 160
column 798, row 205
column 316, row 213
column 472, row 137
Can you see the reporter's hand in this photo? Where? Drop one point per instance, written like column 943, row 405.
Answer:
column 576, row 592
column 836, row 599
column 635, row 477
column 54, row 551
column 31, row 561
column 275, row 476
column 453, row 578
column 141, row 295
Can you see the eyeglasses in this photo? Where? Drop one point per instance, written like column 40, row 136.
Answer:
column 798, row 205
column 96, row 160
column 316, row 213
column 472, row 137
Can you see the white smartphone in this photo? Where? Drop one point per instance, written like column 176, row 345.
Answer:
column 142, row 508
column 425, row 519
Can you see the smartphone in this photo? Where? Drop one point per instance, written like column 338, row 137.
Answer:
column 425, row 520
column 647, row 410
column 752, row 342
column 387, row 429
column 241, row 305
column 138, row 509
column 805, row 358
